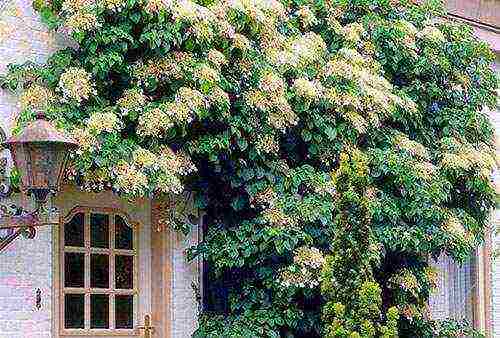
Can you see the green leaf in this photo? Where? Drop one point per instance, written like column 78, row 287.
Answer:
column 306, row 135
column 242, row 143
column 331, row 133
column 49, row 17
column 135, row 17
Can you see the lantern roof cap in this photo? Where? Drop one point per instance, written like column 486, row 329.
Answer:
column 41, row 131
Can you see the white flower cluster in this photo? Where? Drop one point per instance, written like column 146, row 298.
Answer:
column 306, row 270
column 129, row 179
column 131, row 100
column 241, row 42
column 271, row 98
column 144, row 158
column 409, row 31
column 464, row 157
column 114, row 5
column 309, row 257
column 306, row 89
column 267, row 144
column 80, row 15
column 425, row 170
column 454, row 226
column 216, row 58
column 36, row 97
column 259, row 11
column 86, row 140
column 306, row 16
column 155, row 6
column 266, row 198
column 414, row 148
column 154, row 122
column 206, row 74
column 165, row 167
column 96, row 180
column 104, row 121
column 297, row 52
column 275, row 217
column 352, row 32
column 179, row 162
column 219, row 97
column 374, row 100
column 173, row 166
column 76, row 84
column 432, row 33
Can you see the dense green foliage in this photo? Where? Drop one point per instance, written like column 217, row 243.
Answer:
column 336, row 147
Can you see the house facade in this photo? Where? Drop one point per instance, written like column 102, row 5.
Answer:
column 113, row 259
column 105, row 256
column 472, row 291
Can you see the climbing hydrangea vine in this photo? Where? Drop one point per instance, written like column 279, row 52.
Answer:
column 336, row 147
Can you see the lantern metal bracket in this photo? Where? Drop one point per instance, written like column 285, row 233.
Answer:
column 14, row 220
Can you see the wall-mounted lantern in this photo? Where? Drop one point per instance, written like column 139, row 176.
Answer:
column 40, row 154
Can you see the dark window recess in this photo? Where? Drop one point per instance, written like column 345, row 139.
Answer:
column 74, row 271
column 124, row 310
column 124, row 270
column 73, row 231
column 99, row 231
column 74, row 313
column 99, row 271
column 99, row 311
column 124, row 234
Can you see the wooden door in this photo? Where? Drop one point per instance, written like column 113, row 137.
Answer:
column 105, row 275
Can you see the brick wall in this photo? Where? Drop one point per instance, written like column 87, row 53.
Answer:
column 184, row 302
column 496, row 281
column 486, row 11
column 496, row 223
column 453, row 296
column 26, row 265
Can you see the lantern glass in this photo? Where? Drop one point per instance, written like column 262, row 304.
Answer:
column 40, row 154
column 41, row 167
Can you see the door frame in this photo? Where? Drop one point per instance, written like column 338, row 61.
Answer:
column 161, row 274
column 160, row 291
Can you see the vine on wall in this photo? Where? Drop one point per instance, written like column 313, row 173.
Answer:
column 335, row 147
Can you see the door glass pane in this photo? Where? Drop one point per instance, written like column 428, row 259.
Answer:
column 73, row 231
column 74, row 273
column 124, row 267
column 104, row 269
column 99, row 271
column 124, row 234
column 99, row 231
column 99, row 311
column 74, row 313
column 124, row 310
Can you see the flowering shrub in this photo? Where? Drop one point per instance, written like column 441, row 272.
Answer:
column 336, row 147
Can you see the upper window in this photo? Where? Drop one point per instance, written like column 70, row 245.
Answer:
column 98, row 273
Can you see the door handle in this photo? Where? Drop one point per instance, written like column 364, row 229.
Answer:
column 148, row 329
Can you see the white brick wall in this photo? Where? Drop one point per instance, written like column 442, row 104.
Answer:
column 453, row 295
column 496, row 223
column 496, row 282
column 25, row 265
column 184, row 303
column 439, row 302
